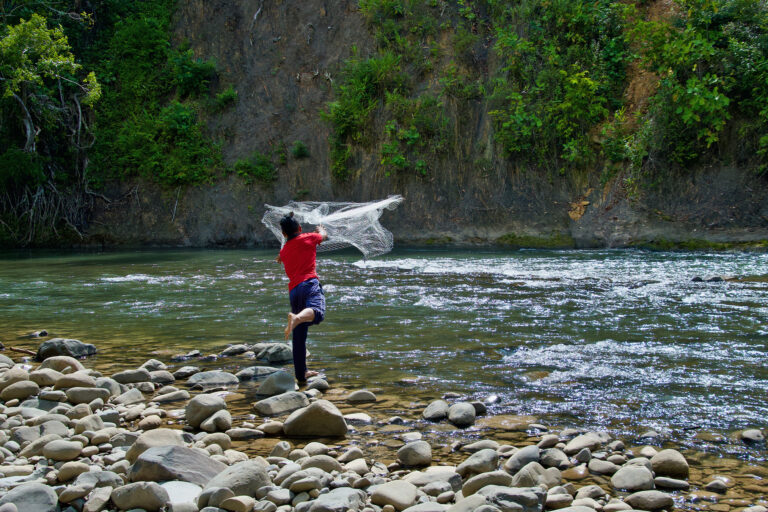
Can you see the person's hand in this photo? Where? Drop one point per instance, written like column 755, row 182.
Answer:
column 321, row 230
column 278, row 260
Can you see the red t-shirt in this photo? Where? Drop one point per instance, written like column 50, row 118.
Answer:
column 298, row 257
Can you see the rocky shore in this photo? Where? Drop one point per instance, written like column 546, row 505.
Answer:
column 162, row 437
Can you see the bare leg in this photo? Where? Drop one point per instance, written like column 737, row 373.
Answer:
column 305, row 315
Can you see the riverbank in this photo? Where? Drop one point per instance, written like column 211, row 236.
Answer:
column 73, row 437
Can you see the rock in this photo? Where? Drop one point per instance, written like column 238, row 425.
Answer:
column 243, row 478
column 554, row 458
column 418, row 453
column 19, row 390
column 157, row 437
column 83, row 395
column 61, row 364
column 436, row 411
column 35, row 447
column 671, row 483
column 30, row 497
column 462, row 414
column 275, row 353
column 479, row 462
column 150, row 422
column 243, row 434
column 594, row 492
column 255, row 372
column 477, row 482
column 146, row 495
column 324, row 462
column 239, row 504
column 558, row 501
column 64, row 347
column 338, row 500
column 61, row 450
column 161, row 377
column 602, row 467
column 162, row 463
column 281, row 404
column 632, row 478
column 529, row 475
column 212, row 379
column 276, row 384
column 185, row 371
column 132, row 396
column 154, row 365
column 13, row 376
column 220, row 421
column 514, row 499
column 173, row 396
column 523, row 457
column 580, row 508
column 319, row 419
column 649, row 500
column 752, row 436
column 484, row 444
column 79, row 379
column 670, row 463
column 70, row 470
column 98, row 479
column 97, row 500
column 45, row 377
column 398, row 493
column 91, row 422
column 589, row 440
column 132, row 376
column 318, row 384
column 361, row 396
column 717, row 485
column 202, row 407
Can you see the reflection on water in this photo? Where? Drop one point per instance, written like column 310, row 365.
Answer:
column 620, row 339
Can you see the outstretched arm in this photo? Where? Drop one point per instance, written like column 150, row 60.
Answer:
column 320, row 229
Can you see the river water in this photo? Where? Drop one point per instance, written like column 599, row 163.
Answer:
column 616, row 339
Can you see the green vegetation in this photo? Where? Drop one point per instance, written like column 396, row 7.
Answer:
column 258, row 167
column 555, row 241
column 299, row 150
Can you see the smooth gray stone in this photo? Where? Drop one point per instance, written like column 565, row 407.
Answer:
column 482, row 461
column 132, row 376
column 185, row 371
column 436, row 411
column 649, row 500
column 418, row 453
column 339, row 500
column 523, row 457
column 255, row 372
column 213, row 378
column 319, row 419
column 243, row 478
column 149, row 496
column 632, row 478
column 202, row 407
column 234, row 350
column 162, row 463
column 98, row 479
column 32, row 496
column 462, row 414
column 281, row 404
column 275, row 353
column 276, row 384
column 519, row 499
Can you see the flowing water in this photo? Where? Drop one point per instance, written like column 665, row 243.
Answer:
column 622, row 340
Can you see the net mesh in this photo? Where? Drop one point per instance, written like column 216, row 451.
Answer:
column 347, row 224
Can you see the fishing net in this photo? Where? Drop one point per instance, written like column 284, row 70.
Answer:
column 348, row 224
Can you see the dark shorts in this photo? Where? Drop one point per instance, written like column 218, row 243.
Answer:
column 309, row 294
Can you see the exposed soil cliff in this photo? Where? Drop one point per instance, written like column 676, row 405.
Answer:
column 282, row 57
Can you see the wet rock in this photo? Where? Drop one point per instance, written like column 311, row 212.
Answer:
column 632, row 478
column 19, row 390
column 162, row 463
column 211, row 379
column 461, row 414
column 31, row 497
column 274, row 352
column 664, row 482
column 281, row 404
column 594, row 492
column 436, row 411
column 752, row 436
column 418, row 453
column 185, row 371
column 670, row 463
column 716, row 485
column 523, row 457
column 318, row 384
column 576, row 473
column 234, row 350
column 64, row 347
column 255, row 372
column 398, row 493
column 319, row 419
column 157, row 437
column 202, row 407
column 243, row 478
column 483, row 444
column 479, row 462
column 146, row 495
column 361, row 396
column 152, row 365
column 276, row 384
column 649, row 500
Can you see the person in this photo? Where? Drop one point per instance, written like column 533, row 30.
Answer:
column 305, row 291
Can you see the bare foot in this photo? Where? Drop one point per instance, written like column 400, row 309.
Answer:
column 310, row 373
column 291, row 324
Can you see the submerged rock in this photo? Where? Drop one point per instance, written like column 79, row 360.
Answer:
column 64, row 347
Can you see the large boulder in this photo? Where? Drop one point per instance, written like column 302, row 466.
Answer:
column 64, row 347
column 243, row 478
column 319, row 419
column 32, row 496
column 156, row 437
column 670, row 463
column 149, row 496
column 281, row 404
column 161, row 463
column 276, row 384
column 202, row 407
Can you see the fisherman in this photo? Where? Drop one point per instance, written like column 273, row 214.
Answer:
column 305, row 291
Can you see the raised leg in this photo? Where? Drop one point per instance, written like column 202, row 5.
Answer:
column 306, row 315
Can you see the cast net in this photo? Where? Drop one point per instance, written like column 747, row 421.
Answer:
column 348, row 224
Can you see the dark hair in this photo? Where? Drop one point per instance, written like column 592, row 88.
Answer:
column 290, row 226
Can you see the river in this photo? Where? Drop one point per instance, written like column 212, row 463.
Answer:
column 616, row 339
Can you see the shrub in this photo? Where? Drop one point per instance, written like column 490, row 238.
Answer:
column 258, row 167
column 299, row 150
